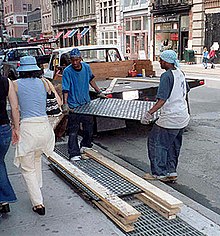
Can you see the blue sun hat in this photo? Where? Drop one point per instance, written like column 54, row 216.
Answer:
column 28, row 63
column 75, row 53
column 170, row 56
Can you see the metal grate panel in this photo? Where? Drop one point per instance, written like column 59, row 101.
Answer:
column 101, row 174
column 117, row 108
column 150, row 223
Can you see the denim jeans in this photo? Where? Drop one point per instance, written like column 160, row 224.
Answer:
column 6, row 191
column 164, row 149
column 74, row 121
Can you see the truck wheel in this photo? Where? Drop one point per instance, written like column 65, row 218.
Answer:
column 11, row 76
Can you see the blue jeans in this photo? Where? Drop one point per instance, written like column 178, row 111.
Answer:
column 164, row 149
column 74, row 121
column 6, row 191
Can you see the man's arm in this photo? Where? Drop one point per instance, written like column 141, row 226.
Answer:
column 94, row 85
column 15, row 115
column 156, row 106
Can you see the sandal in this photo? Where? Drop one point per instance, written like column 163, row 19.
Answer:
column 40, row 209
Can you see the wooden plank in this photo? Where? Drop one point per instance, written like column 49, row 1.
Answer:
column 154, row 192
column 115, row 214
column 162, row 210
column 111, row 86
column 135, row 79
column 119, row 206
column 126, row 228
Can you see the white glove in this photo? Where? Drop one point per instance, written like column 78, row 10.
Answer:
column 146, row 118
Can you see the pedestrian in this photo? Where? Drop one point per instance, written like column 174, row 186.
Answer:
column 212, row 57
column 165, row 138
column 8, row 132
column 36, row 133
column 205, row 59
column 75, row 86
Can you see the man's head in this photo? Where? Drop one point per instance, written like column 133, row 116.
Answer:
column 76, row 58
column 168, row 59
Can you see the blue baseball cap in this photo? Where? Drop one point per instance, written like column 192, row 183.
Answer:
column 75, row 53
column 28, row 63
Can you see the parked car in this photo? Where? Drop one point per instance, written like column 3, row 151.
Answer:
column 12, row 59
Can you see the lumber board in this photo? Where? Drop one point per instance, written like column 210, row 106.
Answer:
column 157, row 194
column 126, row 228
column 162, row 210
column 135, row 79
column 115, row 214
column 107, row 196
column 111, row 86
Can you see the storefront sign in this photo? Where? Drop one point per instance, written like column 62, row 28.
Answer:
column 166, row 19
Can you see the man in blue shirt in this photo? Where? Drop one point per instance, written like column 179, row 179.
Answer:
column 75, row 86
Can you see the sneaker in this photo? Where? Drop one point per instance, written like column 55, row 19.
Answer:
column 83, row 149
column 75, row 158
column 149, row 176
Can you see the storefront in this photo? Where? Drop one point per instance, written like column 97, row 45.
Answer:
column 136, row 36
column 171, row 32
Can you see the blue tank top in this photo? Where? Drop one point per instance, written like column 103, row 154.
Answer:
column 32, row 97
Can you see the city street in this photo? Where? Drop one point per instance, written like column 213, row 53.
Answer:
column 199, row 162
column 67, row 213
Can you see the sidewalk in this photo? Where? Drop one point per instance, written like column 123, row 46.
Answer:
column 67, row 213
column 191, row 69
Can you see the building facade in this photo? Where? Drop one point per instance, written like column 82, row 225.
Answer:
column 46, row 18
column 15, row 16
column 34, row 24
column 74, row 22
column 136, row 29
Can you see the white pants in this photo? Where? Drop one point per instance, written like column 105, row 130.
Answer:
column 32, row 172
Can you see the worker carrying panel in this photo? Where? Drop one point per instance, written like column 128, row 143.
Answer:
column 117, row 108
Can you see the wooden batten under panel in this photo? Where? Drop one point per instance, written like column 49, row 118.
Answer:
column 162, row 210
column 118, row 205
column 157, row 194
column 127, row 228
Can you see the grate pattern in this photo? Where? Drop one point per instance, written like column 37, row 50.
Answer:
column 151, row 223
column 101, row 174
column 116, row 108
column 75, row 181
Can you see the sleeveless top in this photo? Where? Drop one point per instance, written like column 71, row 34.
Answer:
column 4, row 89
column 32, row 97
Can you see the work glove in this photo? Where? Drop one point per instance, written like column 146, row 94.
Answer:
column 65, row 109
column 146, row 119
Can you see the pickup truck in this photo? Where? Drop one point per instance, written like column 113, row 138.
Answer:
column 112, row 73
column 12, row 59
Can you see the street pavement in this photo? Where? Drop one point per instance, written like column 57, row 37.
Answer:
column 68, row 213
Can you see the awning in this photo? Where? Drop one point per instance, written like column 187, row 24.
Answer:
column 85, row 30
column 58, row 35
column 67, row 33
column 72, row 33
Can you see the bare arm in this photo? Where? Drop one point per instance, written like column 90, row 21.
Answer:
column 59, row 101
column 94, row 85
column 65, row 96
column 157, row 106
column 15, row 115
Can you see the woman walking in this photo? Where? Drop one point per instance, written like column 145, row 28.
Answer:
column 8, row 132
column 36, row 133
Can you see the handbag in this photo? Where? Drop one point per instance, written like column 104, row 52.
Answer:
column 52, row 106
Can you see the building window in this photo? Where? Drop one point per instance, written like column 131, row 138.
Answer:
column 19, row 19
column 25, row 19
column 29, row 7
column 107, row 11
column 24, row 7
column 136, row 24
